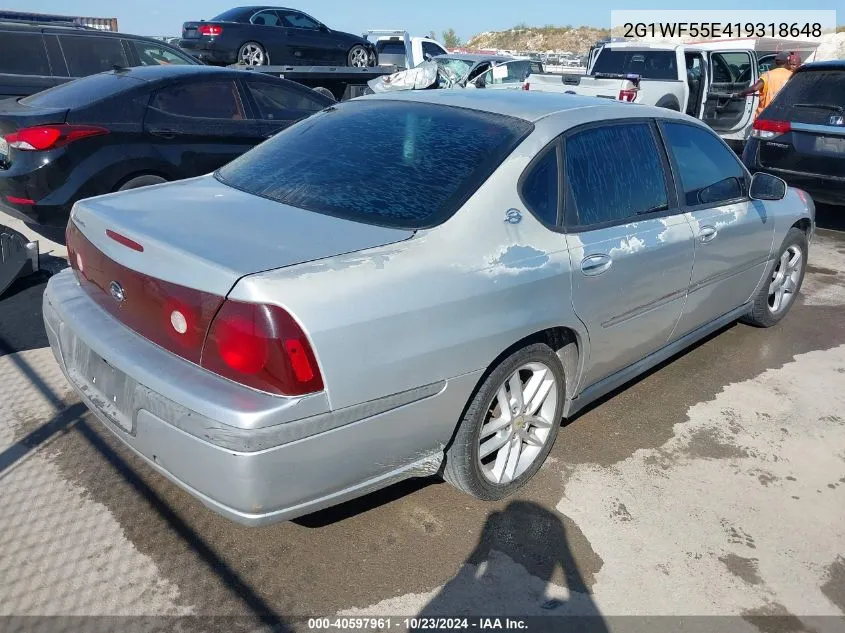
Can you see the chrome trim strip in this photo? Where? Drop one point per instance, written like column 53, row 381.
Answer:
column 836, row 130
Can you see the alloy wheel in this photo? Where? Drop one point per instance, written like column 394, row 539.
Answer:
column 252, row 55
column 785, row 279
column 358, row 57
column 518, row 424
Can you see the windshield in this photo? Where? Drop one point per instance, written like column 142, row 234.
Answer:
column 647, row 64
column 458, row 67
column 392, row 163
column 79, row 92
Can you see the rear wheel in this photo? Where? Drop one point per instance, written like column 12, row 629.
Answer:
column 509, row 426
column 141, row 181
column 358, row 57
column 253, row 54
column 779, row 290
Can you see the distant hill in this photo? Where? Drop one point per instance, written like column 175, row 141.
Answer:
column 546, row 38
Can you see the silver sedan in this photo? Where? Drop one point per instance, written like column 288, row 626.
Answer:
column 411, row 284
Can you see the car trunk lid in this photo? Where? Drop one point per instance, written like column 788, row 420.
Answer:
column 15, row 116
column 205, row 235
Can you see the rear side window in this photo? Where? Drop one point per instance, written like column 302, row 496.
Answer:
column 810, row 96
column 203, row 99
column 615, row 173
column 74, row 94
column 279, row 103
column 391, row 163
column 266, row 18
column 646, row 64
column 90, row 55
column 540, row 188
column 710, row 172
column 23, row 54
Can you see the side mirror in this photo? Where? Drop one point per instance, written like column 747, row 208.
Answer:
column 323, row 28
column 767, row 187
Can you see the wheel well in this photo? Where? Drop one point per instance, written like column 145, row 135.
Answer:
column 803, row 224
column 563, row 340
column 146, row 172
column 670, row 103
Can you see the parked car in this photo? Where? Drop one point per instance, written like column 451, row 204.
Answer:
column 800, row 137
column 698, row 79
column 507, row 75
column 36, row 56
column 398, row 284
column 255, row 36
column 134, row 127
column 466, row 67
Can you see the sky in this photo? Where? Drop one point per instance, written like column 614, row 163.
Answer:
column 165, row 17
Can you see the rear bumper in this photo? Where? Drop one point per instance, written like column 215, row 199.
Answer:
column 201, row 432
column 208, row 51
column 44, row 179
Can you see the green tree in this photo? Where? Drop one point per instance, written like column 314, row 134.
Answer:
column 451, row 39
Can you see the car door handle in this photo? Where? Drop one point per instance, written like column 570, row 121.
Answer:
column 707, row 234
column 164, row 133
column 596, row 264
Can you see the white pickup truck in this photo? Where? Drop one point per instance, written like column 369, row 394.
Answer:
column 397, row 48
column 697, row 78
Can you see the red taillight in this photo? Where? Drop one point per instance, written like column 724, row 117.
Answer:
column 16, row 200
column 526, row 86
column 261, row 346
column 765, row 128
column 209, row 29
column 627, row 95
column 44, row 137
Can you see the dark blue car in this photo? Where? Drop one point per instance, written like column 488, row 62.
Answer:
column 260, row 35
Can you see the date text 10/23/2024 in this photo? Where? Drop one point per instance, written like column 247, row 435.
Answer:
column 417, row 624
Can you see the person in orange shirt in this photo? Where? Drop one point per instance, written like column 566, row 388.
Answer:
column 770, row 82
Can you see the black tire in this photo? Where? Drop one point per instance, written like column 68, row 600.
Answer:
column 253, row 54
column 762, row 312
column 463, row 468
column 669, row 103
column 141, row 181
column 358, row 57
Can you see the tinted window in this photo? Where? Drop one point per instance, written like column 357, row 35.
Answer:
column 207, row 99
column 809, row 88
column 709, row 171
column 647, row 64
column 430, row 48
column 89, row 55
column 391, row 163
column 298, row 20
column 539, row 189
column 74, row 94
column 278, row 102
column 23, row 54
column 731, row 67
column 154, row 55
column 615, row 173
column 266, row 18
column 233, row 15
column 390, row 47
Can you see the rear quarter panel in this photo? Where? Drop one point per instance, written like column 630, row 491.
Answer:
column 440, row 305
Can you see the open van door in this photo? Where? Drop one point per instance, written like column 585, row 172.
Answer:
column 729, row 72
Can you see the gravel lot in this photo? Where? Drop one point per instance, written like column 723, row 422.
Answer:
column 715, row 485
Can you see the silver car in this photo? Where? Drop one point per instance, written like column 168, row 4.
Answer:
column 411, row 284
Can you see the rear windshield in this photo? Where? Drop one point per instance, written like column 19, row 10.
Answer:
column 799, row 99
column 391, row 163
column 80, row 92
column 233, row 15
column 389, row 47
column 646, row 64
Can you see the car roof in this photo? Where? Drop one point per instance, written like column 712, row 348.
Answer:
column 15, row 25
column 831, row 64
column 526, row 105
column 474, row 57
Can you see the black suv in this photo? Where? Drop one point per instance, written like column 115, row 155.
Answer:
column 800, row 137
column 36, row 56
